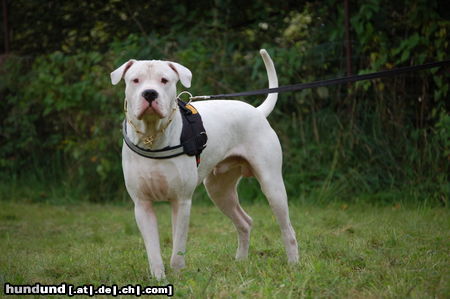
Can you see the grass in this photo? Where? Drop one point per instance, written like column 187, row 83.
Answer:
column 347, row 250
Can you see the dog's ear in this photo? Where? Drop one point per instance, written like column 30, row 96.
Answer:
column 183, row 73
column 118, row 74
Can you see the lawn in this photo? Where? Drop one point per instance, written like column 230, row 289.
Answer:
column 347, row 250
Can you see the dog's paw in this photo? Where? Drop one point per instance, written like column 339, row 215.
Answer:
column 241, row 257
column 293, row 260
column 159, row 274
column 177, row 262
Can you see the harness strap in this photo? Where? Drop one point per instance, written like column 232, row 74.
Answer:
column 165, row 153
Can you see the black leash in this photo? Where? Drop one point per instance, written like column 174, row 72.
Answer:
column 342, row 80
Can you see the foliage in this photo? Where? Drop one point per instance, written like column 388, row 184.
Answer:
column 61, row 105
column 58, row 109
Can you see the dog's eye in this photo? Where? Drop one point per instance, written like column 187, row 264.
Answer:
column 136, row 80
column 164, row 80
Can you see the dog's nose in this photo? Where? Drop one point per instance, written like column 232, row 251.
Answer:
column 150, row 95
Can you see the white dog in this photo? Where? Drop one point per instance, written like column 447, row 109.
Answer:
column 240, row 143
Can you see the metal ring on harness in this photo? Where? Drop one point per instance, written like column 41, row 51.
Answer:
column 187, row 92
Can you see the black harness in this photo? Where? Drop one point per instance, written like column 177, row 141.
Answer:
column 192, row 140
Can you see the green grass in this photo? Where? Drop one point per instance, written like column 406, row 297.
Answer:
column 354, row 250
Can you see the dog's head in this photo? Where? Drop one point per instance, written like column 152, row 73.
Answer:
column 151, row 85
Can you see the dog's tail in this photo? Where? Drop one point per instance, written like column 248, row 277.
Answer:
column 269, row 103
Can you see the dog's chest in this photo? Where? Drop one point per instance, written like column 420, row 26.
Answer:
column 154, row 185
column 156, row 180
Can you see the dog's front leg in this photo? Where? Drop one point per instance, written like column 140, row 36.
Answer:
column 181, row 210
column 148, row 225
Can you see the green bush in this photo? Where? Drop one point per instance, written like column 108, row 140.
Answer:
column 63, row 105
column 60, row 112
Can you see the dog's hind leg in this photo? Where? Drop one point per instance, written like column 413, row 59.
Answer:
column 266, row 165
column 222, row 189
column 274, row 190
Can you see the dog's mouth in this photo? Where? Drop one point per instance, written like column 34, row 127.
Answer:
column 149, row 109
